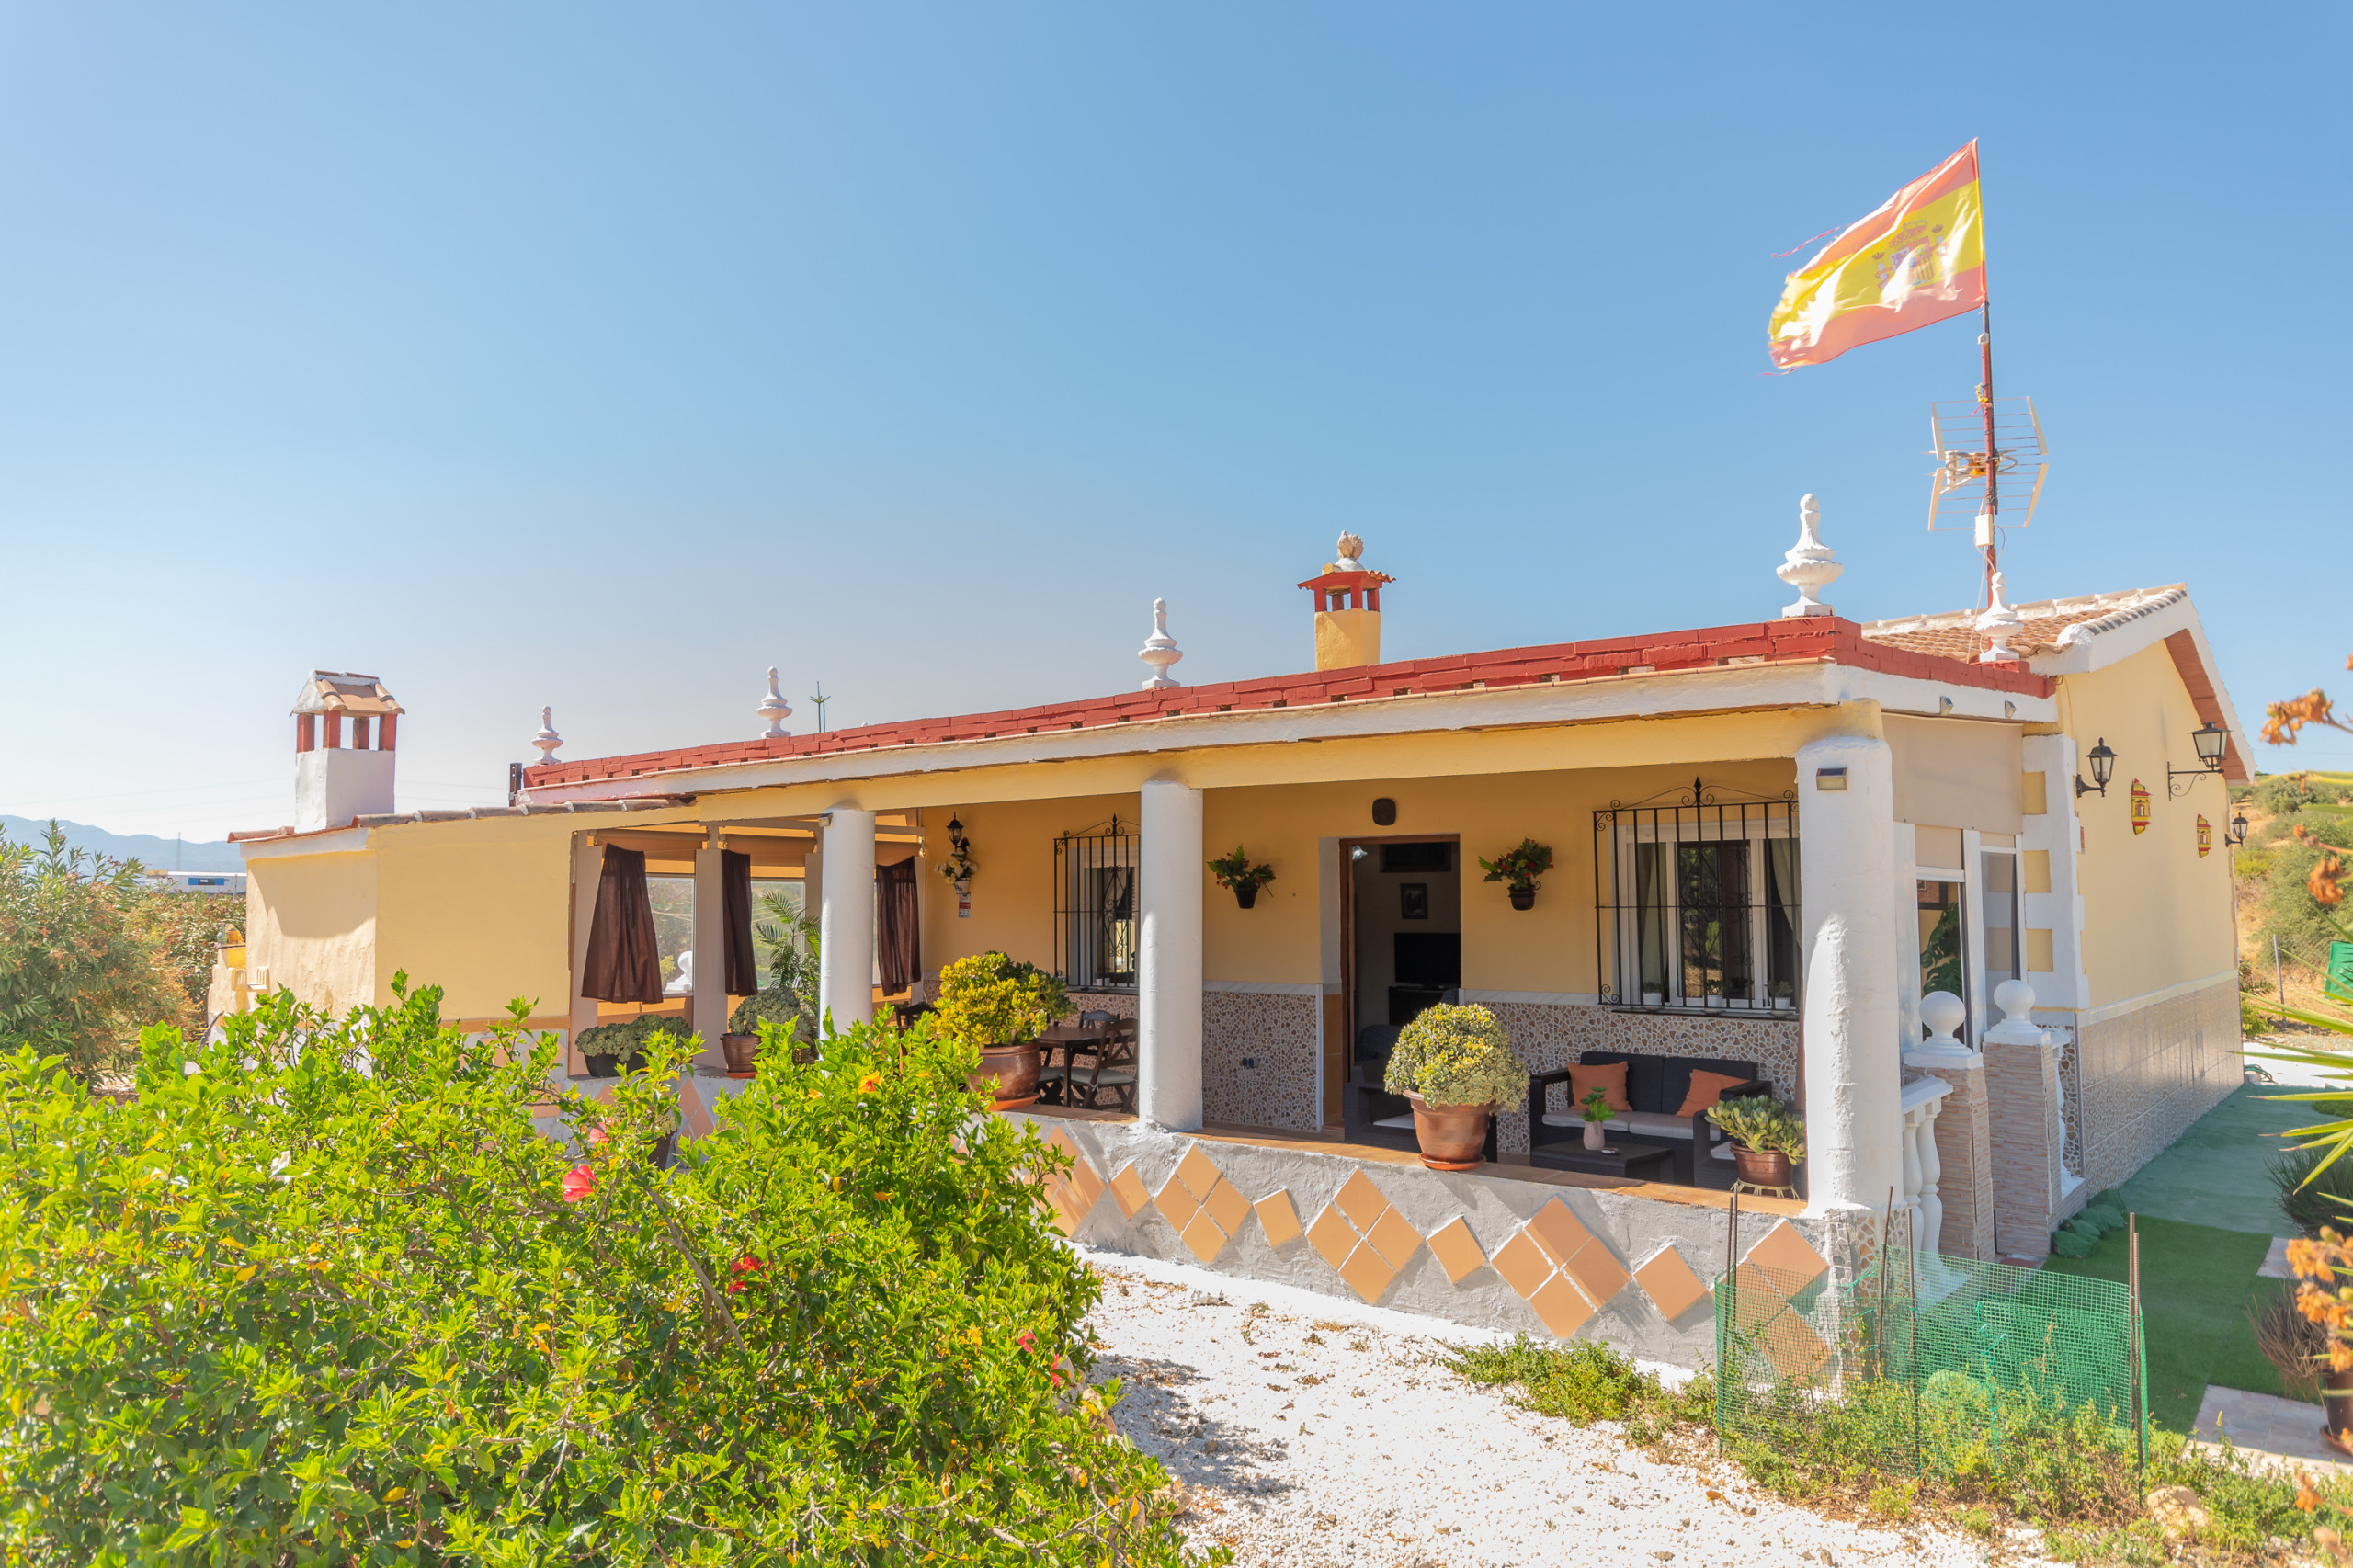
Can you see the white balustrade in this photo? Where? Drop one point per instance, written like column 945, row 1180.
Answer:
column 1923, row 1171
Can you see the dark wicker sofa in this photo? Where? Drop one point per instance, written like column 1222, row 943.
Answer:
column 1655, row 1087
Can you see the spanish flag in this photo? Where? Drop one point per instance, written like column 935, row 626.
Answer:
column 1918, row 259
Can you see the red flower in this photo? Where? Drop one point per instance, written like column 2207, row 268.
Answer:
column 595, row 1135
column 741, row 1267
column 578, row 1183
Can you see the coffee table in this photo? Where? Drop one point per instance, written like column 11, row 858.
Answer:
column 1631, row 1161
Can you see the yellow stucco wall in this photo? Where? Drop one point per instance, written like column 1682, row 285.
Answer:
column 2155, row 915
column 1013, row 891
column 502, row 936
column 311, row 922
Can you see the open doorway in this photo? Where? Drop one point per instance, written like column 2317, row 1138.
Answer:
column 1403, row 939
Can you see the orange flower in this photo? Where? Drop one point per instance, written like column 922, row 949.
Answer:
column 2323, row 882
column 870, row 1082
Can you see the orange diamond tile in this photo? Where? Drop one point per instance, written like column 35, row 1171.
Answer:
column 1203, row 1237
column 1196, row 1172
column 1360, row 1200
column 1332, row 1237
column 1367, row 1273
column 1128, row 1189
column 1558, row 1232
column 1755, row 1302
column 1456, row 1249
column 1562, row 1308
column 1669, row 1281
column 1522, row 1264
column 1176, row 1205
column 1394, row 1236
column 1059, row 1140
column 1794, row 1347
column 1596, row 1272
column 1086, row 1184
column 1786, row 1260
column 1278, row 1218
column 1227, row 1207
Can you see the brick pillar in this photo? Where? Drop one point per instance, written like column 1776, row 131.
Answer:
column 1965, row 1151
column 2029, row 1126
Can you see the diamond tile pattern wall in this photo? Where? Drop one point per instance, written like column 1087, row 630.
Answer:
column 1670, row 1283
column 1772, row 1283
column 1364, row 1238
column 1457, row 1250
column 1559, row 1269
column 1073, row 1195
column 1202, row 1205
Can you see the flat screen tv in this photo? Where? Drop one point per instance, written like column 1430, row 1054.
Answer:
column 1431, row 958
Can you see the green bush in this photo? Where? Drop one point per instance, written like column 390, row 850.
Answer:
column 324, row 1293
column 79, row 972
column 779, row 1006
column 1457, row 1056
column 2328, row 1201
column 2073, row 1243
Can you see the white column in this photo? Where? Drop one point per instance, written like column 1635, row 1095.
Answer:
column 1170, row 957
column 845, row 919
column 1847, row 885
column 707, row 1012
column 587, row 870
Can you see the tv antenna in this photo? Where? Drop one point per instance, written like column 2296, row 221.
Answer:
column 819, row 699
column 1976, row 442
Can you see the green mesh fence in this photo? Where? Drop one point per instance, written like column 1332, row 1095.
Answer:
column 1913, row 1361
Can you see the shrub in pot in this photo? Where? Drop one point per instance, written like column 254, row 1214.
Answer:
column 410, row 1327
column 1769, row 1138
column 611, row 1048
column 779, row 1008
column 998, row 1006
column 1518, row 867
column 1236, row 873
column 1596, row 1117
column 1456, row 1067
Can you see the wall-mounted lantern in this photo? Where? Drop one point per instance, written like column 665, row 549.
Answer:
column 2103, row 762
column 2235, row 835
column 2209, row 739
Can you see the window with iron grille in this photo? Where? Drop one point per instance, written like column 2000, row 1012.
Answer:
column 1094, row 909
column 1696, row 902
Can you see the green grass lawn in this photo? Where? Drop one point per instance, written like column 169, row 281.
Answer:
column 2196, row 1283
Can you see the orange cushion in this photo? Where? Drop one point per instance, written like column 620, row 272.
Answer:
column 1707, row 1088
column 1610, row 1078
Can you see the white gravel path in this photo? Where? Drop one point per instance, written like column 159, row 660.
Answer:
column 1312, row 1434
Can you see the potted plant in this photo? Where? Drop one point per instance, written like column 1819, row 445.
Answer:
column 1518, row 867
column 1715, row 993
column 611, row 1048
column 1769, row 1138
column 1782, row 993
column 999, row 1006
column 1596, row 1117
column 1236, row 872
column 777, row 1006
column 1455, row 1066
column 958, row 868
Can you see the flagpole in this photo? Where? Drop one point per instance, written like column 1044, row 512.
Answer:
column 1992, row 465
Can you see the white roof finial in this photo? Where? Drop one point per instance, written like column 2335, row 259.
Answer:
column 1809, row 566
column 774, row 709
column 1159, row 650
column 1351, row 550
column 1999, row 624
column 547, row 740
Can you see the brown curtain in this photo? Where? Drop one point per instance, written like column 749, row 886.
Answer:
column 624, row 959
column 735, row 889
column 898, row 941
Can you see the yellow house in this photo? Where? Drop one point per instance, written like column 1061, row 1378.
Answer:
column 1819, row 855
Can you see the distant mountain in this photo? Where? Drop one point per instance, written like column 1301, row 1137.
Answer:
column 160, row 854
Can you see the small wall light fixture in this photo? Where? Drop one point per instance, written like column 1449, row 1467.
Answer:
column 2235, row 835
column 2103, row 762
column 2209, row 738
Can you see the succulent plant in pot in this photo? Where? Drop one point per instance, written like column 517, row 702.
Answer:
column 612, row 1048
column 779, row 1007
column 1769, row 1138
column 1456, row 1067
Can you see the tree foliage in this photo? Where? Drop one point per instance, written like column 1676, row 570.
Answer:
column 326, row 1292
column 78, row 974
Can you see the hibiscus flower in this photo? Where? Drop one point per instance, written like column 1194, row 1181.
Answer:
column 578, row 1183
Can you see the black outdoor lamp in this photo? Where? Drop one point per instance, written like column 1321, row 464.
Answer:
column 2103, row 762
column 2209, row 738
column 2235, row 835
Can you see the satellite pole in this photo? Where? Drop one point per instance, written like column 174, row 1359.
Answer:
column 1993, row 509
column 819, row 699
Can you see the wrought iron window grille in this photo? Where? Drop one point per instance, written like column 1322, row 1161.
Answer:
column 1095, row 924
column 1696, row 904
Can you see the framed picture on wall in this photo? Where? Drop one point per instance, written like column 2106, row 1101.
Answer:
column 1413, row 901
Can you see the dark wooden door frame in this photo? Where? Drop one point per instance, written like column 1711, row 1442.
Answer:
column 1349, row 929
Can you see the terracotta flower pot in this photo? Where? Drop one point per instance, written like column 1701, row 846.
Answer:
column 1245, row 894
column 1453, row 1137
column 1009, row 1072
column 743, row 1051
column 1523, row 898
column 1758, row 1169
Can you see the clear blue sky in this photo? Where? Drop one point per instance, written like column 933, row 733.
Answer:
column 601, row 356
